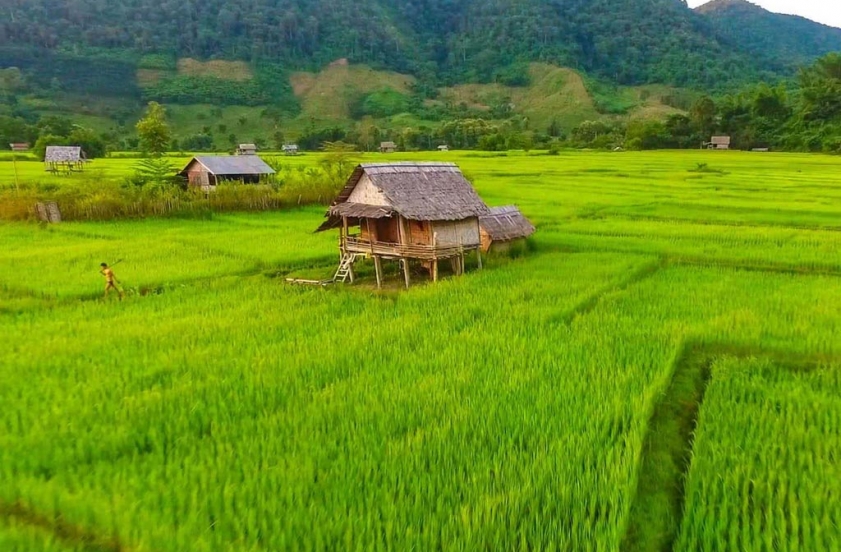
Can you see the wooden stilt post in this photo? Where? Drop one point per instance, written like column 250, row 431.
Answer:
column 406, row 271
column 378, row 268
column 435, row 256
column 479, row 257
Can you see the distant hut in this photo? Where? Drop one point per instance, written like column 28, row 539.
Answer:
column 443, row 147
column 290, row 149
column 247, row 149
column 64, row 159
column 719, row 143
column 422, row 212
column 502, row 227
column 388, row 147
column 208, row 171
column 19, row 147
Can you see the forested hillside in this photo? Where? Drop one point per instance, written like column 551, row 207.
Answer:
column 780, row 41
column 626, row 41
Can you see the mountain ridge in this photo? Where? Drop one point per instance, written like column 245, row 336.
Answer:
column 786, row 41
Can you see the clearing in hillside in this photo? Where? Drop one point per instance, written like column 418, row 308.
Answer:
column 228, row 70
column 329, row 94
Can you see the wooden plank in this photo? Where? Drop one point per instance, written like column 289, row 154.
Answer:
column 378, row 268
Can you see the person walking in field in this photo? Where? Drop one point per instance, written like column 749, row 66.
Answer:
column 110, row 280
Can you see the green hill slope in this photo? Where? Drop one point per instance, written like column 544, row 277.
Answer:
column 780, row 41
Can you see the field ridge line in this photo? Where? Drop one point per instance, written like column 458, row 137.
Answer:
column 62, row 530
column 657, row 506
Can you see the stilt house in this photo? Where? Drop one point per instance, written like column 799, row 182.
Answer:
column 502, row 227
column 290, row 149
column 719, row 143
column 207, row 171
column 388, row 147
column 247, row 149
column 408, row 212
column 64, row 159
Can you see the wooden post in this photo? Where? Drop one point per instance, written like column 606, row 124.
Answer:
column 15, row 165
column 435, row 256
column 406, row 271
column 378, row 268
column 343, row 237
column 479, row 257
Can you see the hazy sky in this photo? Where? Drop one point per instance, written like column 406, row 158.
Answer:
column 825, row 11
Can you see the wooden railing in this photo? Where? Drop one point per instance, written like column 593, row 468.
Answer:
column 352, row 244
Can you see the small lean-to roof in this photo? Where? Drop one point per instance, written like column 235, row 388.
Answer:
column 506, row 223
column 63, row 154
column 231, row 165
column 417, row 191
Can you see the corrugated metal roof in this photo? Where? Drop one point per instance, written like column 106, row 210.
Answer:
column 63, row 154
column 228, row 165
column 417, row 191
column 506, row 223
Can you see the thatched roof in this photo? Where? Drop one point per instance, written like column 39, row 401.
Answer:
column 63, row 154
column 231, row 165
column 506, row 223
column 388, row 145
column 417, row 191
column 720, row 140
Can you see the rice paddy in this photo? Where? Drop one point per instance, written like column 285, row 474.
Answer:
column 659, row 371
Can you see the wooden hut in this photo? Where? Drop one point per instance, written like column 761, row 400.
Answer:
column 290, row 149
column 64, row 159
column 443, row 147
column 719, row 143
column 503, row 226
column 19, row 146
column 247, row 149
column 388, row 147
column 422, row 212
column 208, row 171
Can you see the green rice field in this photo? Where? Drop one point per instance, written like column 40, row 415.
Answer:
column 659, row 370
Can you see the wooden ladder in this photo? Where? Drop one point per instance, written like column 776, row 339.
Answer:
column 345, row 269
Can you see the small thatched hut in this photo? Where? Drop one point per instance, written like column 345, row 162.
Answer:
column 503, row 226
column 422, row 212
column 290, row 149
column 207, row 171
column 247, row 149
column 719, row 143
column 64, row 159
column 388, row 147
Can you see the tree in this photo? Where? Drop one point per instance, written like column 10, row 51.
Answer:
column 703, row 115
column 92, row 144
column 153, row 131
column 821, row 89
column 157, row 171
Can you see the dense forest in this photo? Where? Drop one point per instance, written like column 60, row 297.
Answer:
column 625, row 41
